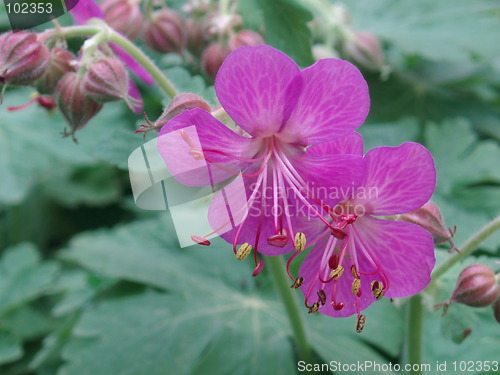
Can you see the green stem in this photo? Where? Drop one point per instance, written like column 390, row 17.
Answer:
column 127, row 45
column 281, row 281
column 414, row 336
column 466, row 249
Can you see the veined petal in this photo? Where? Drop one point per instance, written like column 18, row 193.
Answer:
column 199, row 150
column 334, row 101
column 85, row 10
column 253, row 86
column 351, row 143
column 404, row 251
column 331, row 178
column 133, row 65
column 398, row 179
column 134, row 93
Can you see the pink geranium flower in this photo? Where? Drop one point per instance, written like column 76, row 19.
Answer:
column 380, row 257
column 280, row 111
column 85, row 10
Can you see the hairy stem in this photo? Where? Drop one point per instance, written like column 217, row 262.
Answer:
column 281, row 281
column 414, row 334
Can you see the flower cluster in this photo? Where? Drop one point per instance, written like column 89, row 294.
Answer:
column 294, row 174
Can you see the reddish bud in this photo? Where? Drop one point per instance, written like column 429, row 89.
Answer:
column 124, row 16
column 195, row 36
column 429, row 217
column 107, row 80
column 177, row 105
column 166, row 32
column 213, row 57
column 61, row 62
column 76, row 106
column 496, row 309
column 245, row 38
column 365, row 50
column 23, row 59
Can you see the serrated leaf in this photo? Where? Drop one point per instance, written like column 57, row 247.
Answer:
column 285, row 24
column 439, row 30
column 23, row 277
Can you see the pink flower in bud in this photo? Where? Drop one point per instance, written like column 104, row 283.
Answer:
column 195, row 36
column 23, row 59
column 496, row 309
column 429, row 217
column 213, row 57
column 108, row 80
column 76, row 106
column 476, row 286
column 124, row 16
column 245, row 38
column 166, row 32
column 364, row 49
column 60, row 63
column 179, row 104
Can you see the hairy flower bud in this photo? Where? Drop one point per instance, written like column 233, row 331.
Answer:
column 429, row 217
column 195, row 36
column 166, row 32
column 213, row 57
column 23, row 59
column 476, row 286
column 245, row 38
column 76, row 106
column 61, row 62
column 177, row 105
column 365, row 50
column 124, row 16
column 107, row 80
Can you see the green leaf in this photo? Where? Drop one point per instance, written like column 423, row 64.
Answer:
column 23, row 277
column 10, row 349
column 389, row 134
column 184, row 82
column 438, row 30
column 285, row 23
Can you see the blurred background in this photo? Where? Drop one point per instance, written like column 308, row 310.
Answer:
column 92, row 285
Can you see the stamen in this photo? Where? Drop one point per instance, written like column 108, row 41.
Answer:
column 200, row 240
column 314, row 308
column 354, row 272
column 278, row 240
column 339, row 233
column 377, row 289
column 322, row 296
column 244, row 251
column 356, row 284
column 297, row 283
column 300, row 241
column 360, row 324
column 338, row 306
column 337, row 272
column 259, row 268
column 333, row 262
column 196, row 154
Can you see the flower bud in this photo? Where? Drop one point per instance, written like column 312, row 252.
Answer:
column 429, row 217
column 195, row 36
column 76, row 106
column 213, row 57
column 245, row 38
column 61, row 62
column 107, row 80
column 365, row 50
column 23, row 59
column 124, row 16
column 177, row 105
column 166, row 32
column 476, row 286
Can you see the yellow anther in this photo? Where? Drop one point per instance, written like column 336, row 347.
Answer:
column 314, row 308
column 377, row 289
column 356, row 284
column 354, row 272
column 337, row 272
column 299, row 241
column 360, row 324
column 243, row 251
column 298, row 282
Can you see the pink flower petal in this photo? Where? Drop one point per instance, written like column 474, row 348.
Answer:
column 398, row 179
column 85, row 10
column 331, row 178
column 253, row 86
column 221, row 146
column 351, row 143
column 404, row 251
column 334, row 101
column 134, row 93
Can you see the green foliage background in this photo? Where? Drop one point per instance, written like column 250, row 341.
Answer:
column 90, row 284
